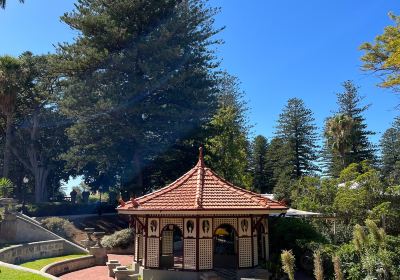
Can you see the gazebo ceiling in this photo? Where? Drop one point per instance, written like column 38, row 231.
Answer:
column 201, row 189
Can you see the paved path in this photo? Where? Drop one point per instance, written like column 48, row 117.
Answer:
column 97, row 272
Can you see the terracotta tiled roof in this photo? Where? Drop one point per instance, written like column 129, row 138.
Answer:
column 201, row 189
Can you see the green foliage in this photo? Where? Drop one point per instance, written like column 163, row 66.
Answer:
column 293, row 234
column 382, row 57
column 227, row 148
column 347, row 137
column 119, row 239
column 261, row 169
column 140, row 85
column 288, row 263
column 65, row 208
column 314, row 194
column 296, row 127
column 6, row 187
column 390, row 145
column 59, row 226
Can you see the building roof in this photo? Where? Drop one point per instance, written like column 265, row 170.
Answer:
column 201, row 189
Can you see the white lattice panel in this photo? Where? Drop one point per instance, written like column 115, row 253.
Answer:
column 255, row 256
column 167, row 242
column 220, row 221
column 205, row 254
column 172, row 221
column 153, row 252
column 245, row 252
column 189, row 254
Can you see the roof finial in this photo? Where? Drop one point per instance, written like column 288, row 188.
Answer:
column 201, row 158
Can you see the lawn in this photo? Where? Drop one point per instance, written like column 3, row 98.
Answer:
column 8, row 273
column 39, row 264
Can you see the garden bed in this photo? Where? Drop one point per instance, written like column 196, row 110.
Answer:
column 40, row 263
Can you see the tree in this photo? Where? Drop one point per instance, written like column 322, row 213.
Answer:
column 338, row 131
column 4, row 2
column 382, row 57
column 390, row 145
column 297, row 130
column 139, row 84
column 11, row 83
column 227, row 147
column 262, row 173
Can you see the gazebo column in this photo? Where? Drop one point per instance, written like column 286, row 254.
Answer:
column 266, row 240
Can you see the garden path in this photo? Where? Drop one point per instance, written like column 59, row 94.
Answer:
column 97, row 272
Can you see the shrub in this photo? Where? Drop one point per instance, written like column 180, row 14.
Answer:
column 119, row 239
column 59, row 226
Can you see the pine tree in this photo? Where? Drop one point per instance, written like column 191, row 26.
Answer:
column 227, row 148
column 262, row 173
column 298, row 132
column 360, row 148
column 139, row 80
column 390, row 145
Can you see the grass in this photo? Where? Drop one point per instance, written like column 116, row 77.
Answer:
column 8, row 273
column 40, row 263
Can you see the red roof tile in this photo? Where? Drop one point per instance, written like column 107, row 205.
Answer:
column 201, row 189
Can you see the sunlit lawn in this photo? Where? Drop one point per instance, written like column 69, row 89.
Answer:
column 8, row 273
column 39, row 264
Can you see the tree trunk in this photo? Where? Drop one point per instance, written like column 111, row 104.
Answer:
column 7, row 147
column 41, row 173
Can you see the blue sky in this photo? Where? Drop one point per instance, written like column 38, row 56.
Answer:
column 278, row 49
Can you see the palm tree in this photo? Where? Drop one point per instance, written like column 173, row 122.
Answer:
column 338, row 130
column 3, row 3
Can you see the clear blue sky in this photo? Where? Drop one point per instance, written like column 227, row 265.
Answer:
column 278, row 49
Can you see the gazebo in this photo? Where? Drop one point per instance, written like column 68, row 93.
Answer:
column 200, row 222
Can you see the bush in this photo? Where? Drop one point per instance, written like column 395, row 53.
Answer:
column 59, row 226
column 119, row 239
column 65, row 208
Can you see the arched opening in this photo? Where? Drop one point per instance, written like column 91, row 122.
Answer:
column 225, row 247
column 171, row 253
column 261, row 242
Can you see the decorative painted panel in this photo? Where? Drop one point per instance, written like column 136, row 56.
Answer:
column 245, row 252
column 205, row 254
column 255, row 249
column 220, row 221
column 244, row 227
column 167, row 242
column 153, row 246
column 172, row 221
column 190, row 228
column 189, row 254
column 205, row 228
column 153, row 227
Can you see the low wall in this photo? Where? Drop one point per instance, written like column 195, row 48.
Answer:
column 122, row 251
column 17, row 254
column 20, row 268
column 62, row 267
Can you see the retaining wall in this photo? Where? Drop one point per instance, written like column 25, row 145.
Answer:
column 67, row 266
column 17, row 254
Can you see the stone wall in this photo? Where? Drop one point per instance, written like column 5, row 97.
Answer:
column 67, row 266
column 37, row 250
